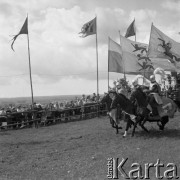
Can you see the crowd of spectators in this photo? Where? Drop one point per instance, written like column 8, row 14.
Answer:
column 57, row 105
column 79, row 106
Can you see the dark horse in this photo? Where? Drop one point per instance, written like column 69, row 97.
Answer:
column 126, row 106
column 140, row 100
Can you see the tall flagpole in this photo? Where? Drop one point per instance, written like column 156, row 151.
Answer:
column 108, row 60
column 135, row 29
column 122, row 55
column 30, row 72
column 97, row 72
column 97, row 60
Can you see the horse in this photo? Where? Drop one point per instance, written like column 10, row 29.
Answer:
column 126, row 106
column 107, row 101
column 142, row 101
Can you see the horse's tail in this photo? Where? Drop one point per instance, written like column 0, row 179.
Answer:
column 173, row 106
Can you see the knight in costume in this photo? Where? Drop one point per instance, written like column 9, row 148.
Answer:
column 154, row 95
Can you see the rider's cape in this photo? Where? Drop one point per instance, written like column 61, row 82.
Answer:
column 157, row 98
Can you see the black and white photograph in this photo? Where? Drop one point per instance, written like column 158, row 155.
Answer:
column 89, row 90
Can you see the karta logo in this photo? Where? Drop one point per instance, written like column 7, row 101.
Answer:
column 116, row 169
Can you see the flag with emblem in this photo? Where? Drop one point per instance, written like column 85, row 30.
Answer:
column 163, row 47
column 134, row 55
column 89, row 28
column 24, row 30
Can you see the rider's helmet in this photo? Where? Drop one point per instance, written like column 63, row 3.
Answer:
column 152, row 78
column 135, row 82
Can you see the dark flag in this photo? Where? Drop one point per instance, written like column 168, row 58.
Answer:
column 131, row 30
column 89, row 28
column 24, row 30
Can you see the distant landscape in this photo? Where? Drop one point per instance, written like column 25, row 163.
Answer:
column 37, row 99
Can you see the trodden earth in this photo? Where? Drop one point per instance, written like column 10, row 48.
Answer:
column 80, row 149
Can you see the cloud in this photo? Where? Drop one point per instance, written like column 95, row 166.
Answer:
column 58, row 54
column 56, row 48
column 173, row 5
column 143, row 15
column 5, row 9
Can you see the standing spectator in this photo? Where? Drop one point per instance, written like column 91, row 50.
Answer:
column 19, row 109
column 81, row 103
column 94, row 97
column 76, row 103
column 89, row 99
column 83, row 98
column 2, row 112
column 56, row 106
column 97, row 98
column 61, row 106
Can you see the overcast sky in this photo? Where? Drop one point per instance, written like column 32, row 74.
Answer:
column 63, row 63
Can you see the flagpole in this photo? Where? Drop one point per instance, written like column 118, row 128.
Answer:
column 97, row 60
column 30, row 72
column 122, row 54
column 97, row 72
column 135, row 30
column 108, row 60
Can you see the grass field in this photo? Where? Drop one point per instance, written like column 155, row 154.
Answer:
column 79, row 150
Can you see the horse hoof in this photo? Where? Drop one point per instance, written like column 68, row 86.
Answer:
column 161, row 128
column 124, row 136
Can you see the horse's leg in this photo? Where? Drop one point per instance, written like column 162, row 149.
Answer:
column 128, row 125
column 117, row 131
column 140, row 121
column 135, row 125
column 144, row 121
column 159, row 125
column 142, row 125
column 164, row 120
column 111, row 122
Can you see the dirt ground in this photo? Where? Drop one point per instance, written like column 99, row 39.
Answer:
column 79, row 150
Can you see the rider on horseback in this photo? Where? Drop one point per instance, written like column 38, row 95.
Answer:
column 154, row 98
column 138, row 98
column 114, row 105
column 138, row 93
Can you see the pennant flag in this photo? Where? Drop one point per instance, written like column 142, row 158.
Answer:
column 163, row 47
column 135, row 58
column 115, row 63
column 88, row 28
column 131, row 30
column 24, row 30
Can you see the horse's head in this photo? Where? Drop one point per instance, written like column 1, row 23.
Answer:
column 106, row 100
